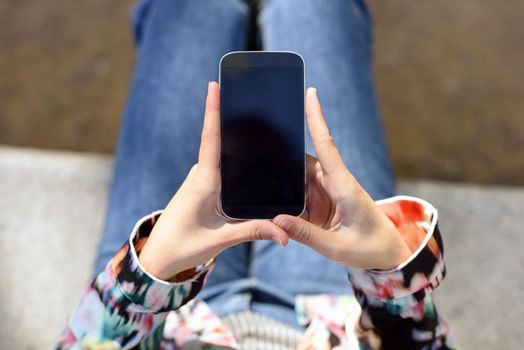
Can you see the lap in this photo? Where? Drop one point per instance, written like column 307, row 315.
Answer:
column 334, row 37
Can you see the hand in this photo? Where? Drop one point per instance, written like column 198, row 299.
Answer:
column 341, row 221
column 191, row 230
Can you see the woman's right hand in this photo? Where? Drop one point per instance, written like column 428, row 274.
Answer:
column 341, row 221
column 191, row 230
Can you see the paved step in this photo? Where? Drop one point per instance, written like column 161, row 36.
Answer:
column 51, row 212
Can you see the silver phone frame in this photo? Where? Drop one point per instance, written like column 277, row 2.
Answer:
column 220, row 210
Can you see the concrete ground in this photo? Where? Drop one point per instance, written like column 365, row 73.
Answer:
column 449, row 76
column 51, row 211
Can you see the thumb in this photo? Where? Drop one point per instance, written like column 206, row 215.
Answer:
column 298, row 229
column 257, row 230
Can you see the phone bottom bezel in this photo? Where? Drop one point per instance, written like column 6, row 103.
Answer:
column 260, row 212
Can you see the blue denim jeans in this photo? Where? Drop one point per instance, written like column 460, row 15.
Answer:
column 179, row 44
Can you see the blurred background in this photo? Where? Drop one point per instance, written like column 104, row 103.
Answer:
column 450, row 79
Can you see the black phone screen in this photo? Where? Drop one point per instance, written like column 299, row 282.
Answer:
column 262, row 134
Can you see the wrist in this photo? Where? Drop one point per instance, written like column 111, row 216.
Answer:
column 402, row 252
column 398, row 250
column 154, row 262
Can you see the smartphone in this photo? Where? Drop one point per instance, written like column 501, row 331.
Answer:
column 262, row 158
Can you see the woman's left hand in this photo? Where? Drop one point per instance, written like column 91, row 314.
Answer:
column 341, row 221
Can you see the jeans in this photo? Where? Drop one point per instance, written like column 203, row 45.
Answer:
column 179, row 44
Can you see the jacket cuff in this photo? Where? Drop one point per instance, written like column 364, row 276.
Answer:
column 405, row 286
column 146, row 292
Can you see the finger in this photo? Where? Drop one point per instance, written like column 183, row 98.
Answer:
column 328, row 155
column 299, row 229
column 189, row 176
column 192, row 172
column 311, row 167
column 209, row 154
column 321, row 210
column 311, row 171
column 254, row 230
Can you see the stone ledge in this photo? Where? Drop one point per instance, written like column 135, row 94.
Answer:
column 51, row 213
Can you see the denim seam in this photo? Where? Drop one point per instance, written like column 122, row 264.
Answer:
column 241, row 6
column 262, row 14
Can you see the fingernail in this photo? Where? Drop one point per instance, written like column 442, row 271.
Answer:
column 209, row 87
column 277, row 241
column 284, row 224
column 312, row 91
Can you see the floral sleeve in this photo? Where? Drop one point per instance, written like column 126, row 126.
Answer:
column 125, row 304
column 397, row 308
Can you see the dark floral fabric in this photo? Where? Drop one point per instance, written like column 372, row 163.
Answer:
column 125, row 307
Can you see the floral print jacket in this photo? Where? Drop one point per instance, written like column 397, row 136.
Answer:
column 125, row 307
